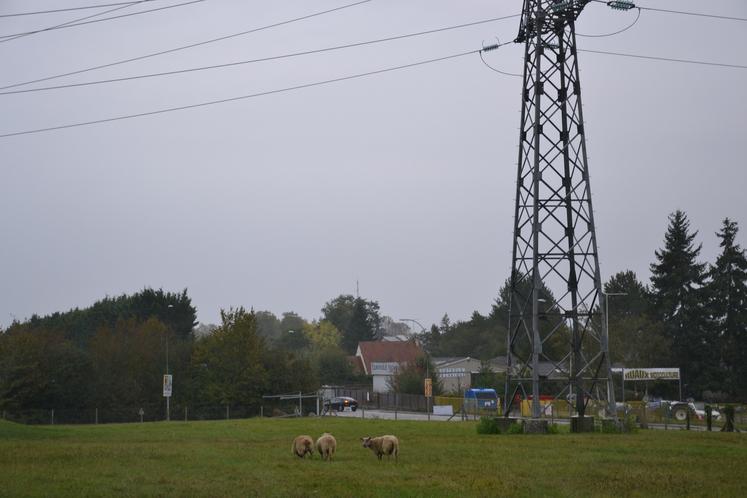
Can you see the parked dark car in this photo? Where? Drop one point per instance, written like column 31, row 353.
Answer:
column 340, row 403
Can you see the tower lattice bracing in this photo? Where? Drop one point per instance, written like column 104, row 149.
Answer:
column 557, row 340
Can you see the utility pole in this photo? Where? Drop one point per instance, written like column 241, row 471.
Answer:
column 554, row 243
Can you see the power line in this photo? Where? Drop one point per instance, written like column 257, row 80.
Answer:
column 329, row 81
column 57, row 26
column 242, row 97
column 638, row 16
column 682, row 12
column 667, row 59
column 73, row 24
column 271, row 58
column 490, row 48
column 100, row 6
column 185, row 47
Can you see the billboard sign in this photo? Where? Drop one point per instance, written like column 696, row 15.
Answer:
column 637, row 374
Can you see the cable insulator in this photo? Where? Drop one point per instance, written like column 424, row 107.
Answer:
column 562, row 5
column 494, row 46
column 621, row 4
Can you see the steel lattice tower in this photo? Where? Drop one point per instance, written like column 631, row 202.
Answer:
column 557, row 340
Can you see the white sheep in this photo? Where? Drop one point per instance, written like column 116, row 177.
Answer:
column 326, row 446
column 302, row 446
column 382, row 445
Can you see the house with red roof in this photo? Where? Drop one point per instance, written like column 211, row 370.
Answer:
column 381, row 359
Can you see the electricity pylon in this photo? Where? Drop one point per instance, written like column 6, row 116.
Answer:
column 557, row 341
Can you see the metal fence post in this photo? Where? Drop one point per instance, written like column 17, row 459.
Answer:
column 185, row 413
column 228, row 416
column 52, row 416
column 96, row 416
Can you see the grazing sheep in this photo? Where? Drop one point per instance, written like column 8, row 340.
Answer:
column 326, row 446
column 382, row 445
column 303, row 445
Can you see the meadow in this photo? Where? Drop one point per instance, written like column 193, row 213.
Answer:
column 252, row 457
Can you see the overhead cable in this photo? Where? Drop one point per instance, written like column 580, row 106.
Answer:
column 8, row 38
column 185, row 47
column 638, row 16
column 264, row 59
column 242, row 97
column 667, row 59
column 490, row 48
column 613, row 4
column 68, row 9
column 329, row 81
column 73, row 24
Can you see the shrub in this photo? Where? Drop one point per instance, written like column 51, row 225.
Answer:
column 553, row 429
column 487, row 425
column 629, row 424
column 515, row 429
column 610, row 428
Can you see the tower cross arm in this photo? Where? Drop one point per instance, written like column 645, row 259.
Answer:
column 547, row 15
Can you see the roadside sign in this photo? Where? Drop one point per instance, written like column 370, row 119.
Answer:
column 167, row 384
column 638, row 374
column 428, row 388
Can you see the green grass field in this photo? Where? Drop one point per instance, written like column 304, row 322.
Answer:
column 253, row 457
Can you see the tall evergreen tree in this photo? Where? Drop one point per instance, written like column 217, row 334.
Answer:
column 677, row 280
column 727, row 292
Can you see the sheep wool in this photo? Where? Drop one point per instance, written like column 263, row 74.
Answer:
column 302, row 446
column 382, row 445
column 326, row 446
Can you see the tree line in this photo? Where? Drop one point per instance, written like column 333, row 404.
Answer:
column 114, row 353
column 691, row 315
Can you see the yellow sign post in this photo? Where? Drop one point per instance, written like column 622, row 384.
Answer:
column 428, row 388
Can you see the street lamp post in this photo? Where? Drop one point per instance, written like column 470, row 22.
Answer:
column 168, row 398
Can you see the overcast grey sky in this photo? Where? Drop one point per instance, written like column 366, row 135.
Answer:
column 403, row 181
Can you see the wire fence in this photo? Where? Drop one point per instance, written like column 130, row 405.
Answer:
column 659, row 414
column 119, row 415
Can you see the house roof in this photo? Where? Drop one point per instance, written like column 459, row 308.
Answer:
column 450, row 361
column 356, row 363
column 387, row 351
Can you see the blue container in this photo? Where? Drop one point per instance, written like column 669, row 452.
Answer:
column 484, row 399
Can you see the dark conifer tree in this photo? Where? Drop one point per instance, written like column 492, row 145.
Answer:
column 727, row 292
column 677, row 280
